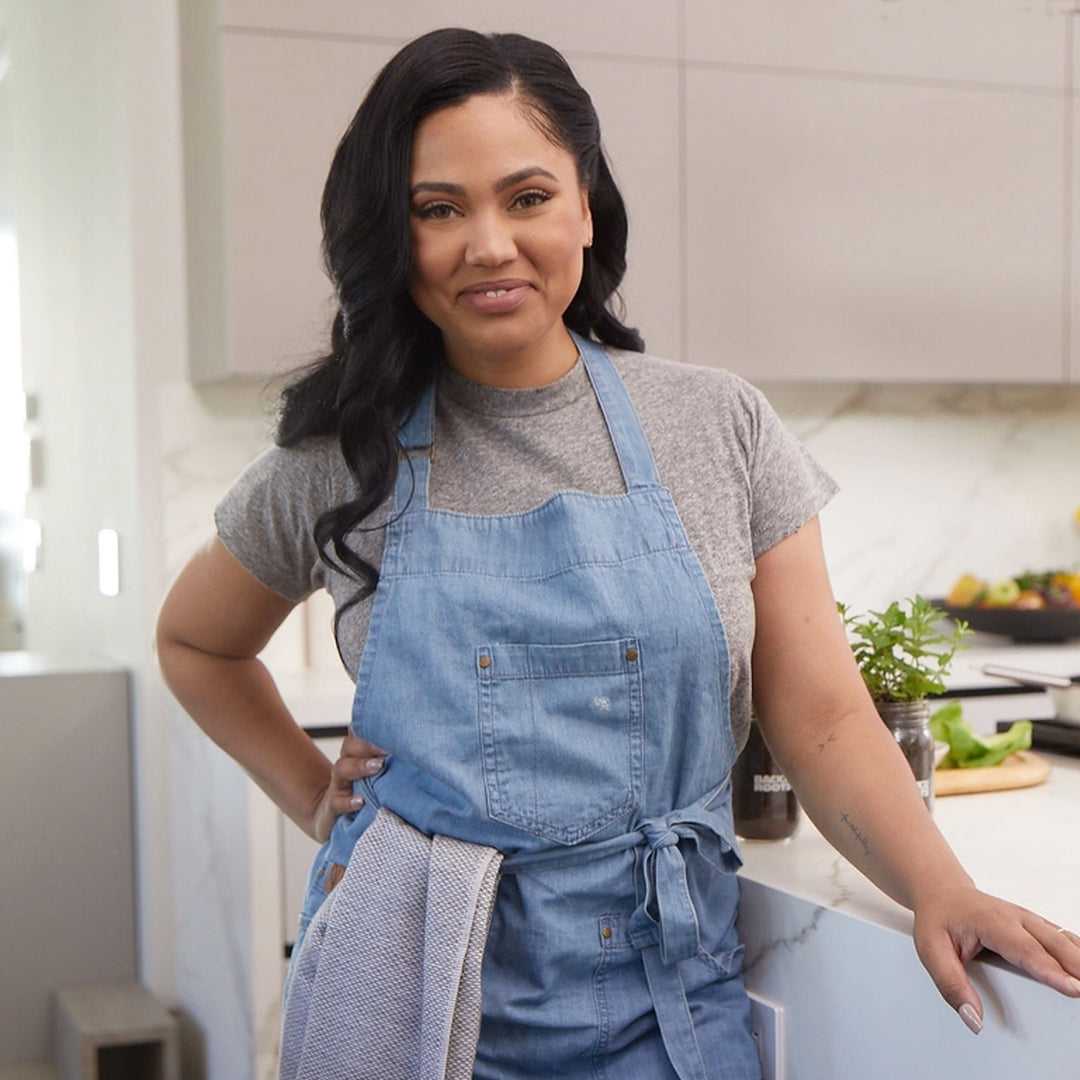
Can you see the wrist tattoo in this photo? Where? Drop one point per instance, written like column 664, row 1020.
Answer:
column 855, row 832
column 821, row 745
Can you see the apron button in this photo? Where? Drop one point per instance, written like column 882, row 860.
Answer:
column 605, row 932
column 484, row 661
column 631, row 655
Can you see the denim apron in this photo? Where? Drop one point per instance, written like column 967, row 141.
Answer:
column 555, row 684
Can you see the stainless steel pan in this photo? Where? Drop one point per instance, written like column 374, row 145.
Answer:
column 1064, row 693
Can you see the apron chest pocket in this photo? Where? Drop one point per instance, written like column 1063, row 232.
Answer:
column 561, row 729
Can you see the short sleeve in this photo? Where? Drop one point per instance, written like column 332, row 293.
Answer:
column 267, row 517
column 787, row 486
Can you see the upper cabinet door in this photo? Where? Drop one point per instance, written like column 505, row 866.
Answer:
column 641, row 28
column 827, row 191
column 877, row 191
column 865, row 230
column 263, row 115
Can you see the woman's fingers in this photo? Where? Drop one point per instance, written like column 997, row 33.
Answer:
column 348, row 769
column 1062, row 946
column 358, row 759
column 949, row 937
column 355, row 749
column 944, row 959
column 1031, row 943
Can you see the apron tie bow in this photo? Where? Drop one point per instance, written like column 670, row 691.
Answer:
column 667, row 916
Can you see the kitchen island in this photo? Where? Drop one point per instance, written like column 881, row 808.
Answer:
column 836, row 954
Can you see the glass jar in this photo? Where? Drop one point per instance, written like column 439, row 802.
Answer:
column 763, row 804
column 909, row 722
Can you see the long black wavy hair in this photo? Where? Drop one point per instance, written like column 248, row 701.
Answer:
column 383, row 350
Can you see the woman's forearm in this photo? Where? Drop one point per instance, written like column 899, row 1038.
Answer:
column 857, row 788
column 235, row 701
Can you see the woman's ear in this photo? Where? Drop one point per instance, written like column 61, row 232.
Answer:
column 586, row 220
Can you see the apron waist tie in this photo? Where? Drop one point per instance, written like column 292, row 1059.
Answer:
column 664, row 927
column 666, row 916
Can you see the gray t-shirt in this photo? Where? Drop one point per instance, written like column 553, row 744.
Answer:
column 739, row 480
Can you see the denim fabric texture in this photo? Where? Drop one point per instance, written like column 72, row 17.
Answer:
column 555, row 684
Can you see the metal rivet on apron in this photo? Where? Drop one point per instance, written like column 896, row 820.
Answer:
column 484, row 661
column 605, row 932
column 322, row 870
column 631, row 654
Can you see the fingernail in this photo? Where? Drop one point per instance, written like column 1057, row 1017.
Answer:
column 374, row 765
column 970, row 1017
column 1075, row 984
column 356, row 802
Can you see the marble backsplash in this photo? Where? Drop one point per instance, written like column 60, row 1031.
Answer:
column 939, row 480
column 935, row 480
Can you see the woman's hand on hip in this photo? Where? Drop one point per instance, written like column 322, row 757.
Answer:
column 358, row 759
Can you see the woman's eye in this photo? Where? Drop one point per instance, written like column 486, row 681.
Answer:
column 526, row 200
column 435, row 212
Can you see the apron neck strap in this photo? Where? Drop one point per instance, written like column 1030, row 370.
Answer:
column 624, row 427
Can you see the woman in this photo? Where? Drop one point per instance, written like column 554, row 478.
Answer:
column 551, row 558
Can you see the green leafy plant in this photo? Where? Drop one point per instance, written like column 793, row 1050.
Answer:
column 905, row 651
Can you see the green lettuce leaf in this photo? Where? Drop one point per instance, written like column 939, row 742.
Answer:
column 970, row 751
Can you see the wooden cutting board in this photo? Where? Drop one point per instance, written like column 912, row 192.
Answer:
column 1022, row 769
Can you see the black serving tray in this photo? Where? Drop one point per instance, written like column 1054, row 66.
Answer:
column 1045, row 625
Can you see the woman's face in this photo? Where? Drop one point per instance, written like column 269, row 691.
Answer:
column 499, row 222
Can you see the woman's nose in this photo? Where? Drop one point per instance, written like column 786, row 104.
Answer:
column 490, row 242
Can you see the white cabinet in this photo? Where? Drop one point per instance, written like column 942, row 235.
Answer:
column 816, row 192
column 878, row 192
column 849, row 229
column 67, row 888
column 263, row 114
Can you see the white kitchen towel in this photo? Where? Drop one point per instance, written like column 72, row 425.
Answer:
column 387, row 981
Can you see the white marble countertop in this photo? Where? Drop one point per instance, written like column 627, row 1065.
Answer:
column 1019, row 844
column 836, row 954
column 20, row 664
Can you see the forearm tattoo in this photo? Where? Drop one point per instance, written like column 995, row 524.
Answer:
column 856, row 833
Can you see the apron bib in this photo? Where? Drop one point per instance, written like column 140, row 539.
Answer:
column 555, row 684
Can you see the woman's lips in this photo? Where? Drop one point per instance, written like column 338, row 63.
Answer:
column 495, row 297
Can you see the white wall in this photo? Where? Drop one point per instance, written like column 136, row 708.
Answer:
column 95, row 154
column 72, row 194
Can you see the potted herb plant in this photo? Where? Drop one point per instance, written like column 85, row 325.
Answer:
column 904, row 654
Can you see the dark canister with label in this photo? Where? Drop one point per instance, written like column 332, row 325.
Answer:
column 764, row 806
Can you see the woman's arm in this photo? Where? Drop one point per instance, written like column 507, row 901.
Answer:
column 215, row 620
column 856, row 786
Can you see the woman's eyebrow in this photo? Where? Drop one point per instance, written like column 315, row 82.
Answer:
column 434, row 185
column 444, row 188
column 522, row 174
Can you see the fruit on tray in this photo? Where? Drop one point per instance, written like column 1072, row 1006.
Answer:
column 1028, row 591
